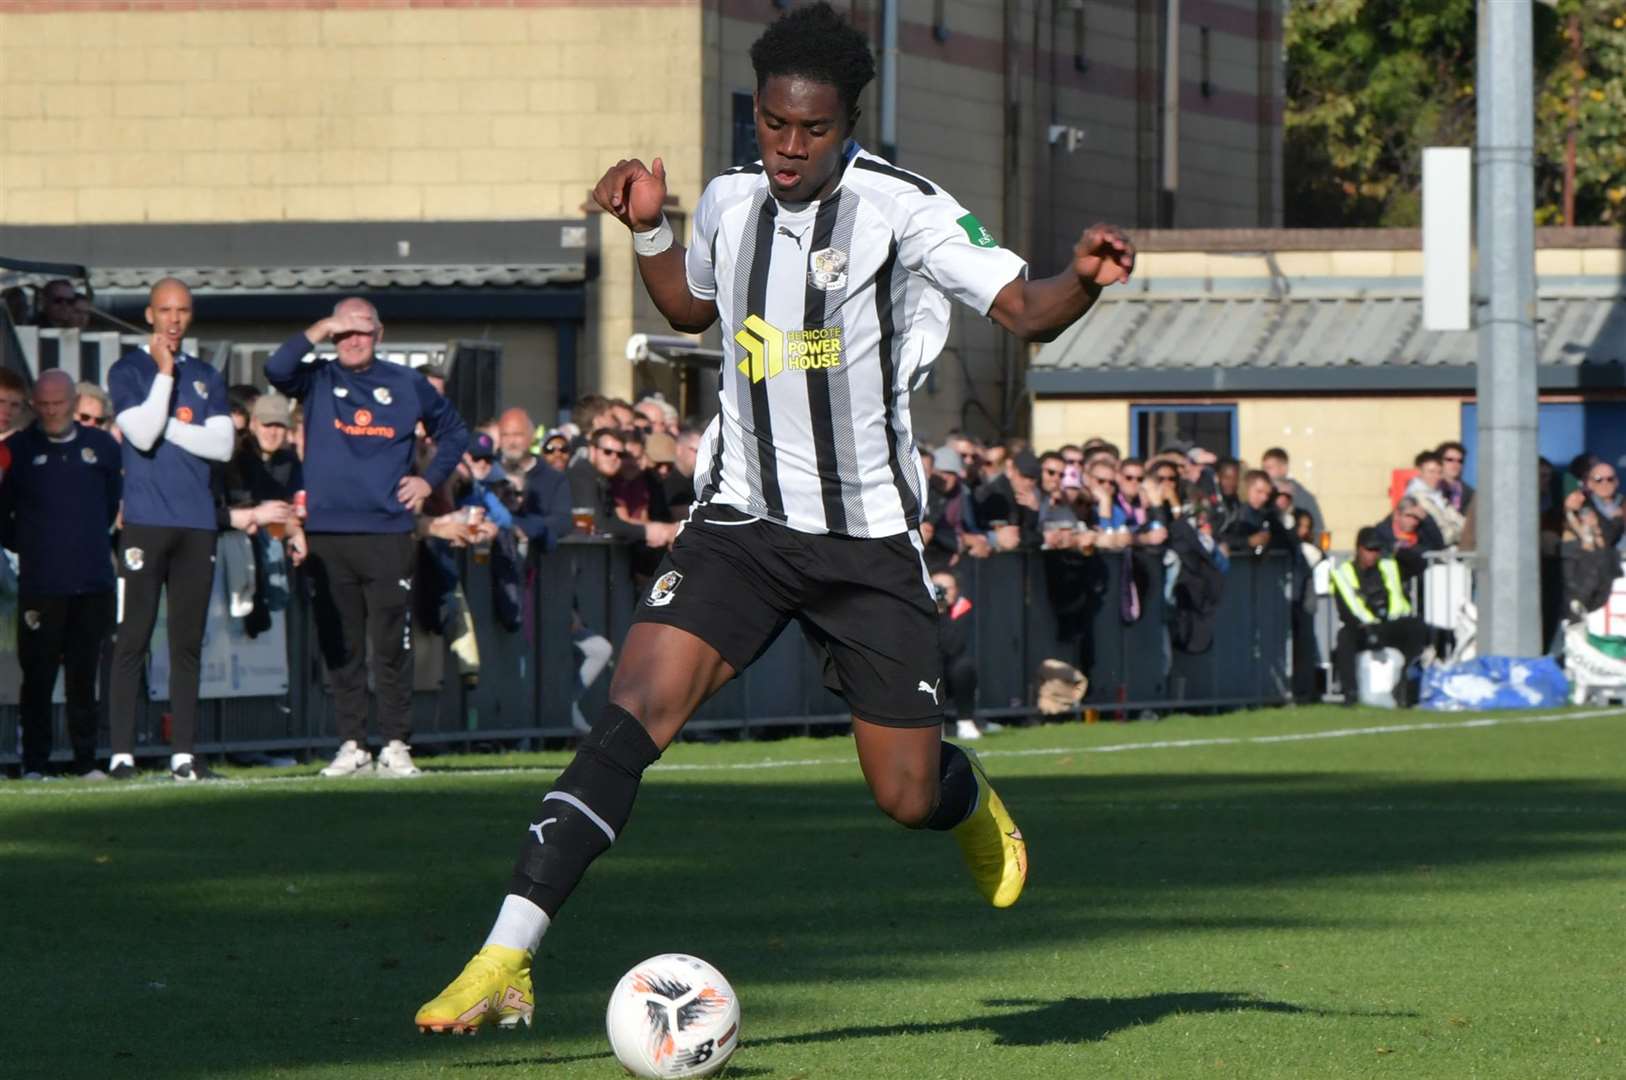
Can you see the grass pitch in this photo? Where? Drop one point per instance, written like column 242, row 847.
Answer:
column 1294, row 893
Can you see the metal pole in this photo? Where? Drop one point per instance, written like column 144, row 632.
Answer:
column 1507, row 509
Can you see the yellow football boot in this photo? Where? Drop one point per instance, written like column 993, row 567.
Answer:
column 993, row 847
column 494, row 989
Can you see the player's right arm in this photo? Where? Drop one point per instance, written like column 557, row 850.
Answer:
column 635, row 195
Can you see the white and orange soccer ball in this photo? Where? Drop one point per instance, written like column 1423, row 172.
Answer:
column 673, row 1016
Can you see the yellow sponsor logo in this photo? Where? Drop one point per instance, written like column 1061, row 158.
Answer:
column 770, row 350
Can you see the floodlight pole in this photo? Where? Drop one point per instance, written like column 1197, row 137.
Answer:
column 1506, row 518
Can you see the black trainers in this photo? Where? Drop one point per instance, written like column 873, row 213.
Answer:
column 191, row 771
column 122, row 771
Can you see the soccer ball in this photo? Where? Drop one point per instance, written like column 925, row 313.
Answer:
column 673, row 1016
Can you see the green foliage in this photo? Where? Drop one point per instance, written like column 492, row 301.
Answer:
column 1586, row 93
column 1370, row 83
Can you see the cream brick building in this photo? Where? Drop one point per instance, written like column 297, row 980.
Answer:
column 1041, row 115
column 1312, row 340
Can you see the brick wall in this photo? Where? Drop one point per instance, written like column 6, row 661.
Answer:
column 338, row 112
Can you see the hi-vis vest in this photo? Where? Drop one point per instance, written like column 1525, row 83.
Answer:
column 1349, row 587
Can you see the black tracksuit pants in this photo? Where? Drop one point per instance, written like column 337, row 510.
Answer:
column 157, row 559
column 362, row 584
column 61, row 632
column 1410, row 635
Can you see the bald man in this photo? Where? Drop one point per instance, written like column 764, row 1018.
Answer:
column 172, row 410
column 362, row 498
column 515, row 433
column 57, row 507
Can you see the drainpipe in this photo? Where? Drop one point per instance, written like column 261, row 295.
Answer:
column 889, row 80
column 1171, row 115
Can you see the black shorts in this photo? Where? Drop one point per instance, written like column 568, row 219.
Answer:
column 735, row 581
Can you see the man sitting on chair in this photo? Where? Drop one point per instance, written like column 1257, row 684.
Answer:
column 1372, row 604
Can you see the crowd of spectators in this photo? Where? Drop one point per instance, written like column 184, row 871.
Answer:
column 624, row 471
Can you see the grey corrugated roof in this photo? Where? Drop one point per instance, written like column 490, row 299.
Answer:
column 328, row 278
column 1325, row 328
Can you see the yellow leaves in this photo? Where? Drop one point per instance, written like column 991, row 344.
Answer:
column 1616, row 195
column 1596, row 95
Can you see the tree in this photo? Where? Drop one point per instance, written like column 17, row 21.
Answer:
column 1372, row 82
column 1581, row 111
column 1369, row 84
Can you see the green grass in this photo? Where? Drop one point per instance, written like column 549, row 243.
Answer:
column 1426, row 903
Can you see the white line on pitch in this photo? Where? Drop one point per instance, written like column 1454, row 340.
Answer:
column 28, row 789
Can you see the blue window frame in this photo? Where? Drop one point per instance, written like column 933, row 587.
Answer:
column 1212, row 427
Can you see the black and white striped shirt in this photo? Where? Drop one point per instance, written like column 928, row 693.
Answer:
column 831, row 312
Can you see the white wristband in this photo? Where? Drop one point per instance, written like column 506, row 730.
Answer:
column 655, row 240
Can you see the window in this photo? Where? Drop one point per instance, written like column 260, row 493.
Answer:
column 745, row 148
column 1212, row 427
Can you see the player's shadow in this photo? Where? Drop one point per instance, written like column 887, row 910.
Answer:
column 1070, row 1019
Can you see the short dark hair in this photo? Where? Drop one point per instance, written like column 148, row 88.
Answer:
column 11, row 380
column 240, row 397
column 588, row 407
column 1275, row 453
column 1425, row 457
column 818, row 44
column 1451, row 444
column 609, row 433
column 1227, row 463
column 1252, row 476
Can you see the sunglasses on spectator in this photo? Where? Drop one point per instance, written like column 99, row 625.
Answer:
column 94, row 421
column 1130, row 476
column 1606, row 478
column 1052, row 472
column 556, row 448
column 1452, row 459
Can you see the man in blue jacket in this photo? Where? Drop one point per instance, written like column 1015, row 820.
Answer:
column 57, row 507
column 173, row 413
column 362, row 498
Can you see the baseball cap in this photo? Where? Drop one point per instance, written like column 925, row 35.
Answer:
column 1027, row 465
column 1369, row 539
column 481, row 447
column 272, row 408
column 946, row 459
column 660, row 447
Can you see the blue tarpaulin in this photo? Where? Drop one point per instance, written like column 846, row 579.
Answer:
column 1494, row 682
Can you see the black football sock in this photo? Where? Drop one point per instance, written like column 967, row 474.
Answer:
column 586, row 810
column 956, row 790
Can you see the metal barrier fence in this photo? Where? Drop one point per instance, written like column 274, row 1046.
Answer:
column 1027, row 607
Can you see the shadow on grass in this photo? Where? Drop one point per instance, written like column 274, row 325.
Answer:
column 338, row 910
column 1069, row 1021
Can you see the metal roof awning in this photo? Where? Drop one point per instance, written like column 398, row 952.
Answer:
column 490, row 269
column 1322, row 340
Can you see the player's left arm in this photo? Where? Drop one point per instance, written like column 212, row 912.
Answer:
column 1040, row 310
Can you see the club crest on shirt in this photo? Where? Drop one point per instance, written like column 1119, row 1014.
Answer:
column 87, row 455
column 39, row 459
column 827, row 269
column 184, row 414
column 31, row 619
column 339, row 391
column 381, row 394
column 661, row 593
column 201, row 387
column 134, row 558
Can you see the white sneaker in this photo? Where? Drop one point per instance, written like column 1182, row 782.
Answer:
column 351, row 760
column 396, row 760
column 966, row 729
